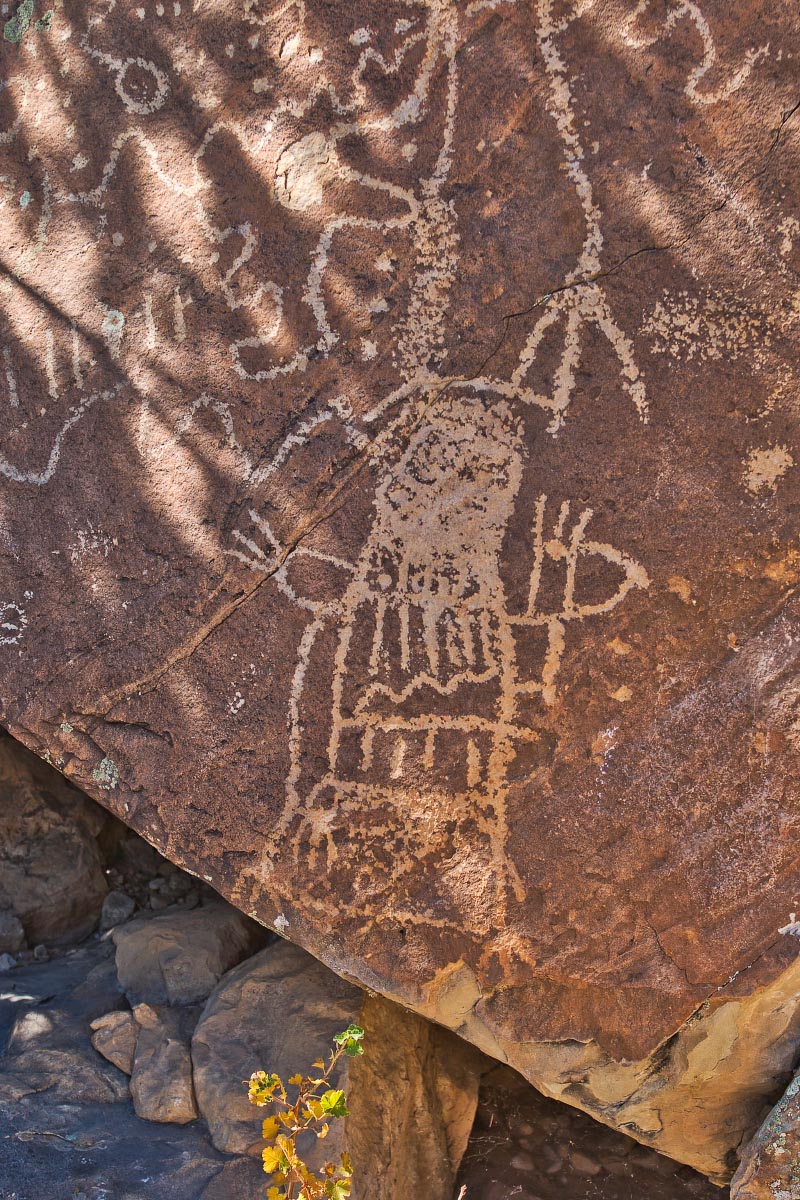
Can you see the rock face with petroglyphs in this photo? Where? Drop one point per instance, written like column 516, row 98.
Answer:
column 399, row 502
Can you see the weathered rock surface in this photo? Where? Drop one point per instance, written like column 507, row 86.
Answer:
column 114, row 1036
column 400, row 490
column 770, row 1166
column 412, row 1095
column 179, row 957
column 276, row 1012
column 161, row 1080
column 52, row 884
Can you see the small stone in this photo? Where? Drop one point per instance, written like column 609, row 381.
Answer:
column 522, row 1162
column 7, row 962
column 158, row 902
column 114, row 1036
column 585, row 1164
column 118, row 906
column 161, row 1082
column 40, row 953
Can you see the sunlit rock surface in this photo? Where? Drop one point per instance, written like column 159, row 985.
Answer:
column 399, row 501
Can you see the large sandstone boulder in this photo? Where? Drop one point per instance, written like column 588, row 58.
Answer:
column 179, row 957
column 411, row 1096
column 400, row 486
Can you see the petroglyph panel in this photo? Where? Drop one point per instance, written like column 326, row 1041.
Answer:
column 398, row 486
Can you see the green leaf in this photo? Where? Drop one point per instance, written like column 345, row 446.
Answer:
column 333, row 1102
column 353, row 1033
column 338, row 1189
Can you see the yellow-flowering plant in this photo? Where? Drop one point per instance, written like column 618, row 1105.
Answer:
column 313, row 1109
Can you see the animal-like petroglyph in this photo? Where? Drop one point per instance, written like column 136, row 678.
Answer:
column 696, row 87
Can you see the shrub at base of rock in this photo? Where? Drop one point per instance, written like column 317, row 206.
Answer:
column 412, row 1095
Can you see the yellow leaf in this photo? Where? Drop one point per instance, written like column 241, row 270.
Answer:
column 347, row 1166
column 286, row 1119
column 274, row 1193
column 296, row 1079
column 319, row 1064
column 270, row 1128
column 323, row 1131
column 271, row 1157
column 316, row 1108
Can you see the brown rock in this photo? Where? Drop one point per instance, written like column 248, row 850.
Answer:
column 412, row 1094
column 179, row 957
column 400, row 480
column 114, row 1036
column 12, row 935
column 770, row 1162
column 161, row 1080
column 412, row 1097
column 51, row 869
column 278, row 1011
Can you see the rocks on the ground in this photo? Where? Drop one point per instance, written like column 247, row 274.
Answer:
column 412, row 1094
column 161, row 1080
column 525, row 1146
column 40, row 953
column 51, row 864
column 45, row 1013
column 770, row 1162
column 114, row 1036
column 118, row 907
column 179, row 956
column 7, row 962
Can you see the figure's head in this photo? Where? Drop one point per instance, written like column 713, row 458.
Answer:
column 451, row 494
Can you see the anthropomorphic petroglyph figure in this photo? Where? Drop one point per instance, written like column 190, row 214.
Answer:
column 422, row 655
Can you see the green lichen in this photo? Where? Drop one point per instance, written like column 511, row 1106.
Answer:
column 66, row 727
column 106, row 775
column 17, row 26
column 44, row 23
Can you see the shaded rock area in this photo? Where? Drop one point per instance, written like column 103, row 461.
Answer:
column 179, row 957
column 104, row 1094
column 526, row 1147
column 54, row 844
